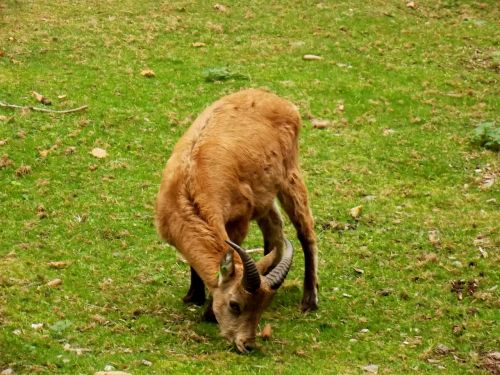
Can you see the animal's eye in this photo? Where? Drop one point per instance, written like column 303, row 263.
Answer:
column 234, row 307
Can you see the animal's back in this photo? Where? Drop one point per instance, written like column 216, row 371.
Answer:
column 233, row 158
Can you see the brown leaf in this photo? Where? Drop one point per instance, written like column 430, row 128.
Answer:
column 266, row 332
column 318, row 123
column 41, row 99
column 58, row 264
column 355, row 212
column 54, row 283
column 198, row 44
column 359, row 270
column 220, row 8
column 40, row 212
column 3, row 142
column 99, row 153
column 411, row 4
column 310, row 57
column 23, row 170
column 148, row 73
column 434, row 237
column 5, row 161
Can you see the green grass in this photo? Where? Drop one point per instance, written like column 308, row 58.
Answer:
column 414, row 83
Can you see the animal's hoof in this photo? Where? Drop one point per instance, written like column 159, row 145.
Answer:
column 194, row 298
column 208, row 315
column 310, row 302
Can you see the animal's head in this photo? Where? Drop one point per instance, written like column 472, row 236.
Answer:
column 244, row 293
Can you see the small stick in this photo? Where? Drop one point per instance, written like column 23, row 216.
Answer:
column 38, row 109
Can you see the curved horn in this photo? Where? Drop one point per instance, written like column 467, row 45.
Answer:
column 251, row 277
column 276, row 277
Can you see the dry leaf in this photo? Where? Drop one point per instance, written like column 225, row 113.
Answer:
column 3, row 118
column 411, row 4
column 40, row 212
column 359, row 270
column 23, row 170
column 312, row 57
column 318, row 123
column 3, row 142
column 44, row 153
column 266, row 332
column 112, row 373
column 5, row 161
column 99, row 153
column 220, row 8
column 61, row 97
column 70, row 150
column 198, row 44
column 58, row 264
column 355, row 212
column 41, row 99
column 147, row 73
column 54, row 283
column 434, row 237
column 371, row 369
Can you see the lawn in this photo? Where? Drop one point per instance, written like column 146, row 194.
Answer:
column 408, row 282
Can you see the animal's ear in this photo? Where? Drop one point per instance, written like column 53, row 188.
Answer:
column 226, row 270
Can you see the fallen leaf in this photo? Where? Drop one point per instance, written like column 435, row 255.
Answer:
column 37, row 326
column 58, row 264
column 312, row 57
column 112, row 373
column 198, row 44
column 442, row 349
column 411, row 4
column 54, row 283
column 145, row 362
column 220, row 8
column 491, row 362
column 355, row 212
column 371, row 369
column 5, row 161
column 23, row 170
column 359, row 270
column 3, row 142
column 266, row 332
column 70, row 150
column 44, row 153
column 434, row 237
column 99, row 153
column 318, row 123
column 61, row 97
column 147, row 73
column 41, row 212
column 388, row 131
column 41, row 99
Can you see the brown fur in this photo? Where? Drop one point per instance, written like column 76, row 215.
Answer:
column 227, row 169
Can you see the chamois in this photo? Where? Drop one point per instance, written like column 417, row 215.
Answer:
column 229, row 167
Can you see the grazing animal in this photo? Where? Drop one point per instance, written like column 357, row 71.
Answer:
column 226, row 170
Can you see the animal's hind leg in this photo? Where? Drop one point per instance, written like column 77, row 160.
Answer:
column 196, row 292
column 293, row 197
column 271, row 226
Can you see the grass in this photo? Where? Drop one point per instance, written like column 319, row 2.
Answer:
column 403, row 87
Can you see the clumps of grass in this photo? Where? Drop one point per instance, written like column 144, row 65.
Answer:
column 487, row 135
column 222, row 74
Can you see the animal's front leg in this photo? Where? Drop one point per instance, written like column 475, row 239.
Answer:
column 196, row 292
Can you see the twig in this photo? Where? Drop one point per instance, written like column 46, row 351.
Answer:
column 38, row 109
